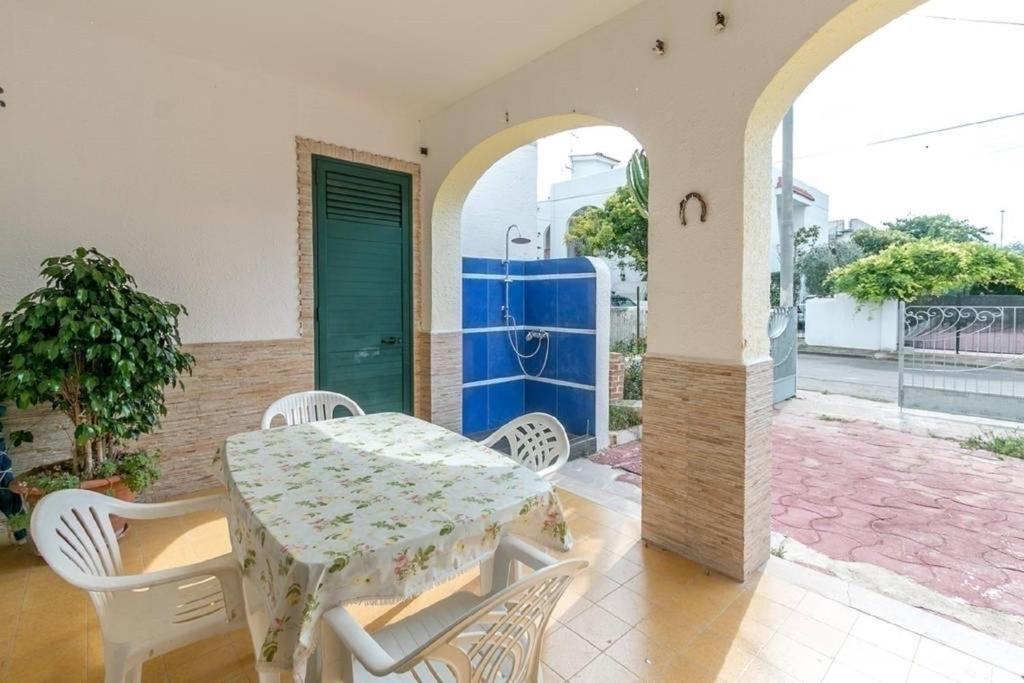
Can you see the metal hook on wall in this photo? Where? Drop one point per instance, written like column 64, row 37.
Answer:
column 703, row 207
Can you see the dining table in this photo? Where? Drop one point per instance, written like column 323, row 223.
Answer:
column 368, row 509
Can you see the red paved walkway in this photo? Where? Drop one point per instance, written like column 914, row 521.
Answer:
column 923, row 507
column 948, row 518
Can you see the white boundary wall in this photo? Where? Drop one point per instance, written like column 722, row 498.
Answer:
column 843, row 322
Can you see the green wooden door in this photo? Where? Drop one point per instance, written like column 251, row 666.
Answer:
column 362, row 255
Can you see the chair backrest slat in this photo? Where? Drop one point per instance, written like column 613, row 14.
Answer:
column 73, row 531
column 500, row 640
column 536, row 440
column 308, row 406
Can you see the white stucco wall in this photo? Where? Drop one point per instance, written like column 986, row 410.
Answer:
column 704, row 111
column 841, row 322
column 505, row 194
column 183, row 169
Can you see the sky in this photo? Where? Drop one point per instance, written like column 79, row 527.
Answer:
column 945, row 64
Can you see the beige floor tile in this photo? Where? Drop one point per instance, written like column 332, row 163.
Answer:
column 621, row 570
column 919, row 674
column 604, row 669
column 951, row 663
column 569, row 606
column 872, row 661
column 795, row 659
column 841, row 673
column 593, row 585
column 719, row 654
column 63, row 658
column 779, row 591
column 761, row 610
column 748, row 632
column 153, row 671
column 894, row 639
column 642, row 654
column 627, row 605
column 760, row 671
column 567, row 653
column 827, row 611
column 814, row 634
column 600, row 627
column 672, row 624
column 549, row 674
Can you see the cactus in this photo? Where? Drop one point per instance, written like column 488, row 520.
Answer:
column 638, row 179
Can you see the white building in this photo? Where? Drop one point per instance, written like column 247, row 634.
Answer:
column 593, row 178
column 810, row 207
column 506, row 194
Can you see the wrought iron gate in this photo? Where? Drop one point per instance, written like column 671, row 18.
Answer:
column 782, row 333
column 963, row 359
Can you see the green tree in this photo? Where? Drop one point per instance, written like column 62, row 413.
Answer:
column 817, row 262
column 617, row 229
column 930, row 268
column 941, row 227
column 94, row 347
column 875, row 240
column 1016, row 247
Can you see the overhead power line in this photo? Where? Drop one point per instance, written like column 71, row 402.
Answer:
column 946, row 129
column 996, row 22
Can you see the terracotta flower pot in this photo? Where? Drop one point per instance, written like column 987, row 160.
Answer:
column 112, row 486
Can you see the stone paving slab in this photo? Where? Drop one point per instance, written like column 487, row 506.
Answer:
column 923, row 507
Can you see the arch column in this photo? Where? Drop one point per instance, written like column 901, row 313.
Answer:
column 707, row 373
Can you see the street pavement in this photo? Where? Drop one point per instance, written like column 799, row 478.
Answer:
column 877, row 379
column 873, row 379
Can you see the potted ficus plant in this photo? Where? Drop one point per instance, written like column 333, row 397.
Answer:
column 11, row 504
column 98, row 350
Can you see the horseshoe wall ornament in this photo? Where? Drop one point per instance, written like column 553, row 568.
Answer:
column 703, row 207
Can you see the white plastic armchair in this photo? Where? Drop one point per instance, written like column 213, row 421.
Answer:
column 536, row 440
column 141, row 615
column 308, row 406
column 465, row 637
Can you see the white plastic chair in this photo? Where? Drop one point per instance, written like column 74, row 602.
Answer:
column 536, row 440
column 141, row 615
column 465, row 637
column 308, row 406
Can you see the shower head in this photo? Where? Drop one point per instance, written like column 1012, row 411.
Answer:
column 518, row 239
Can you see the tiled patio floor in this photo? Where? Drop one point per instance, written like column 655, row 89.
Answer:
column 638, row 613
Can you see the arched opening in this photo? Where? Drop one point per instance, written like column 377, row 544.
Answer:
column 535, row 304
column 894, row 355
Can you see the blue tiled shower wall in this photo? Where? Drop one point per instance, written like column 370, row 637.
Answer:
column 557, row 296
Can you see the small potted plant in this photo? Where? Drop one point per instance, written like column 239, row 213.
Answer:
column 94, row 347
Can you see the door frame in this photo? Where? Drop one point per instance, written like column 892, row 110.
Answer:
column 408, row 303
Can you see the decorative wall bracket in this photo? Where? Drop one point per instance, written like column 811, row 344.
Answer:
column 703, row 207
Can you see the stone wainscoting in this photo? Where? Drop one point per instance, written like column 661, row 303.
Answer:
column 707, row 461
column 231, row 387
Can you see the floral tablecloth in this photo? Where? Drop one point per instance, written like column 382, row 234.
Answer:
column 369, row 508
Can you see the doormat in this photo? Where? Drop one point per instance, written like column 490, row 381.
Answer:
column 626, row 457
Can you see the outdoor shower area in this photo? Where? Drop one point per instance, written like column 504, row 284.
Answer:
column 535, row 339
